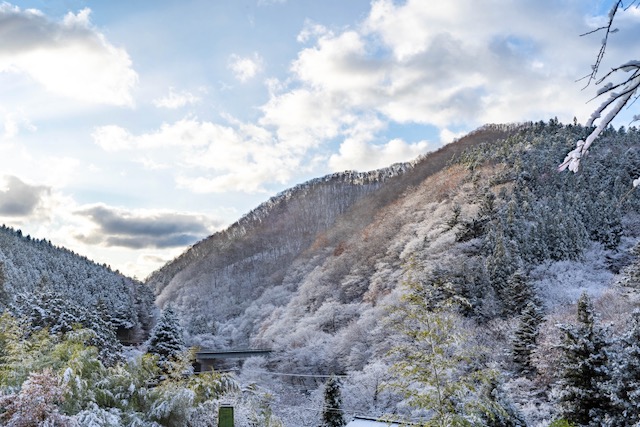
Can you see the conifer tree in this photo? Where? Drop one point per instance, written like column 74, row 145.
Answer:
column 607, row 224
column 501, row 263
column 166, row 340
column 4, row 295
column 524, row 341
column 584, row 369
column 332, row 414
column 626, row 381
column 518, row 293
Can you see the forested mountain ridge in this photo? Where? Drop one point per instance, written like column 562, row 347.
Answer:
column 256, row 253
column 487, row 220
column 458, row 272
column 37, row 277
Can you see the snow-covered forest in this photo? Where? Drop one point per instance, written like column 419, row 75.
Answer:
column 473, row 286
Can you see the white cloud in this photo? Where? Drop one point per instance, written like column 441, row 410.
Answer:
column 54, row 169
column 451, row 65
column 184, row 133
column 14, row 122
column 446, row 66
column 68, row 58
column 361, row 156
column 246, row 68
column 176, row 99
column 207, row 157
column 311, row 30
column 447, row 135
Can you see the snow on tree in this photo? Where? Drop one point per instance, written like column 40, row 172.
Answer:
column 620, row 93
column 332, row 413
column 626, row 381
column 585, row 375
column 36, row 404
column 52, row 311
column 437, row 368
column 167, row 339
column 525, row 337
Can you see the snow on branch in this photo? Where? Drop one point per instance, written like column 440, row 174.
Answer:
column 619, row 94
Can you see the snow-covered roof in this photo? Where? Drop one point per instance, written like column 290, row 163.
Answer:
column 370, row 422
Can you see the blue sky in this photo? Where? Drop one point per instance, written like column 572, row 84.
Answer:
column 129, row 130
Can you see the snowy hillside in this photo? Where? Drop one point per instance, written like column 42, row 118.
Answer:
column 268, row 251
column 312, row 273
column 33, row 270
column 476, row 284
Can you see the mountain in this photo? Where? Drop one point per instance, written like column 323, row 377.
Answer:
column 272, row 247
column 314, row 272
column 478, row 269
column 36, row 276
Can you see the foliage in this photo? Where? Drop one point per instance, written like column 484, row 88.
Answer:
column 57, row 314
column 60, row 380
column 626, row 377
column 584, row 376
column 525, row 338
column 332, row 414
column 435, row 369
column 37, row 403
column 35, row 267
column 561, row 423
column 166, row 339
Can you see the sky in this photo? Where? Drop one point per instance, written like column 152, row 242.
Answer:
column 131, row 130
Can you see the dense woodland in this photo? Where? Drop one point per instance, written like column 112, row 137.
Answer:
column 474, row 286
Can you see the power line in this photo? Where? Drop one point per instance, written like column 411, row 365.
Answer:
column 284, row 374
column 295, row 375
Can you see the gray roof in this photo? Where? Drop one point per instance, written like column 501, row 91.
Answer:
column 370, row 422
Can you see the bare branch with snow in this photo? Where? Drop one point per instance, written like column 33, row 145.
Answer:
column 620, row 94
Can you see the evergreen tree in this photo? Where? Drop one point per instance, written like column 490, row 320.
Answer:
column 332, row 414
column 4, row 295
column 524, row 341
column 626, row 381
column 501, row 263
column 166, row 340
column 51, row 311
column 518, row 293
column 607, row 223
column 584, row 369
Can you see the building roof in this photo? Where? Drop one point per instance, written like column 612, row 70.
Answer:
column 371, row 422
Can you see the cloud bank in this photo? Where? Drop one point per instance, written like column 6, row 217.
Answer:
column 18, row 199
column 69, row 58
column 143, row 229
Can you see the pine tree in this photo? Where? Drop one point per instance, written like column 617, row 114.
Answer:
column 4, row 295
column 517, row 294
column 166, row 340
column 501, row 263
column 51, row 311
column 584, row 369
column 626, row 381
column 607, row 224
column 332, row 414
column 524, row 341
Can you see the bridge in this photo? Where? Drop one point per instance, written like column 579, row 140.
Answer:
column 206, row 357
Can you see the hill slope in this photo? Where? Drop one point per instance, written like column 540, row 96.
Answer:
column 30, row 268
column 313, row 272
column 217, row 279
